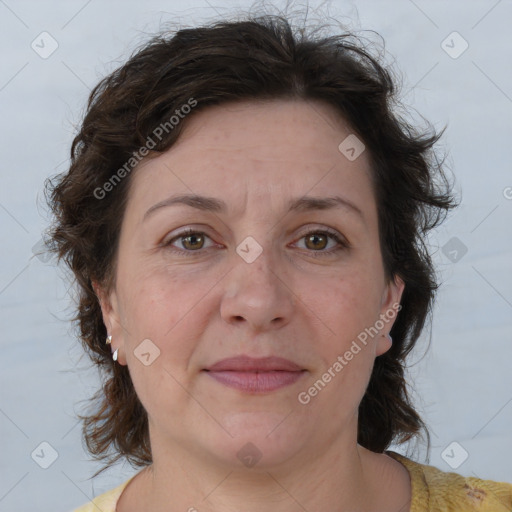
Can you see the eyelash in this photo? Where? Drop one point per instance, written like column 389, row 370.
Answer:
column 343, row 244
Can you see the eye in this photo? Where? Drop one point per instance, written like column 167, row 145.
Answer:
column 317, row 240
column 191, row 240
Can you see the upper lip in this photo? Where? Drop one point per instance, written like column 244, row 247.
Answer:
column 251, row 364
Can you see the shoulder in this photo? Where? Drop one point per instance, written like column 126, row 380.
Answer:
column 435, row 490
column 105, row 502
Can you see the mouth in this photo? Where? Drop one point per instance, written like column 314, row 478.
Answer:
column 255, row 375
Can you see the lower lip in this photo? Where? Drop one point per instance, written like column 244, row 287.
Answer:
column 252, row 382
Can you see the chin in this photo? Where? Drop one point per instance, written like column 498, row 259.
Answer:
column 260, row 440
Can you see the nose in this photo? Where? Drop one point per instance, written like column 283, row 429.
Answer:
column 258, row 295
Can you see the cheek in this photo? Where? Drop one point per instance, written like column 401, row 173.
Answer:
column 349, row 305
column 346, row 305
column 171, row 310
column 158, row 300
column 339, row 387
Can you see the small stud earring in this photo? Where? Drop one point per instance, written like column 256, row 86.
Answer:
column 109, row 339
column 114, row 355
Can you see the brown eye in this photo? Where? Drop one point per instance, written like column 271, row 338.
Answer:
column 316, row 241
column 193, row 241
column 189, row 241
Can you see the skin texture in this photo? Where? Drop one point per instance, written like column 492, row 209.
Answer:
column 207, row 304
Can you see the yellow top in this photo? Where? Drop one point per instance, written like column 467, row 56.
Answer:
column 433, row 490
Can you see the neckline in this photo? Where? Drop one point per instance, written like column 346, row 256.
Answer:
column 118, row 491
column 413, row 468
column 419, row 489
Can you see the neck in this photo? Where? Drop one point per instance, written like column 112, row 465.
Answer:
column 339, row 478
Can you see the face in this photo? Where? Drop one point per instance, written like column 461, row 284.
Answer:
column 253, row 278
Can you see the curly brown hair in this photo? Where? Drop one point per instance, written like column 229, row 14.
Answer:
column 259, row 57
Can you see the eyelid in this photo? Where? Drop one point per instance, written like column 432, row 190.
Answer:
column 321, row 229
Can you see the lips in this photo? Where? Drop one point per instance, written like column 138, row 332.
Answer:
column 251, row 364
column 252, row 375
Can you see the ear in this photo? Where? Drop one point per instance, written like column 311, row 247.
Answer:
column 390, row 306
column 111, row 318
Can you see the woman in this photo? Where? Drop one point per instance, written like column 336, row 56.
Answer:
column 244, row 215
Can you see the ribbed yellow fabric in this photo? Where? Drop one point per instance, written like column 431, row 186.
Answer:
column 433, row 490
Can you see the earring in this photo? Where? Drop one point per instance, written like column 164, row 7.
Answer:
column 109, row 339
column 390, row 338
column 114, row 355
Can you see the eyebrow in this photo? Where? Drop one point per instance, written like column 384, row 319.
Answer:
column 212, row 204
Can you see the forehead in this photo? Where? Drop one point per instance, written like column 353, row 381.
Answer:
column 257, row 152
column 288, row 129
